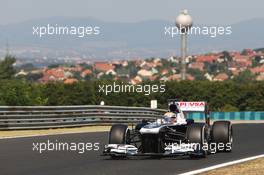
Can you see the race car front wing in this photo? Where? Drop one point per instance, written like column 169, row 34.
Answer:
column 131, row 150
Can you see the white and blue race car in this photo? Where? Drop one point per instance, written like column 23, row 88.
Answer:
column 172, row 135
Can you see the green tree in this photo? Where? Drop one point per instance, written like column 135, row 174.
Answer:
column 227, row 55
column 245, row 76
column 7, row 70
column 198, row 75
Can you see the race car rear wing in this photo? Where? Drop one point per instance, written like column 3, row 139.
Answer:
column 192, row 106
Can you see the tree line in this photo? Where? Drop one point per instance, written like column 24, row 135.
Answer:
column 221, row 96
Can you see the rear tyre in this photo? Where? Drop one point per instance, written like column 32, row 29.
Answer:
column 222, row 135
column 197, row 134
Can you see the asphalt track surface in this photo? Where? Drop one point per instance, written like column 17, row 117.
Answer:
column 17, row 157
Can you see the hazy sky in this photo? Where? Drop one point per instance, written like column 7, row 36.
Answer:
column 203, row 11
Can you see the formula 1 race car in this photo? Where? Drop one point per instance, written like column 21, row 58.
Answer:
column 172, row 135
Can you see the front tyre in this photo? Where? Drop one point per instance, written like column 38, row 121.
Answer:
column 119, row 134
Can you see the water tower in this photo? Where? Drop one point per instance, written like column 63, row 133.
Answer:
column 184, row 23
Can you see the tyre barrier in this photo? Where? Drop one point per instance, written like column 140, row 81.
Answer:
column 246, row 115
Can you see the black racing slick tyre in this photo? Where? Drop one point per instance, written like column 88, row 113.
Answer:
column 197, row 133
column 222, row 135
column 119, row 134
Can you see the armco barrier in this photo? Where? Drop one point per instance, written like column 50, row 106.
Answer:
column 34, row 117
column 248, row 115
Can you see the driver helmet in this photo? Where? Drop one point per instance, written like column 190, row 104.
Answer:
column 169, row 118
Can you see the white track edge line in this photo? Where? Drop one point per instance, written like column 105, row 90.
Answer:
column 222, row 165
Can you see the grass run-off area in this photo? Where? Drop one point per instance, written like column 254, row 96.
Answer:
column 24, row 133
column 253, row 167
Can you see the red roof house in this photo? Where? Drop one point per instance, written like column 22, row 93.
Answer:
column 103, row 66
column 206, row 58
